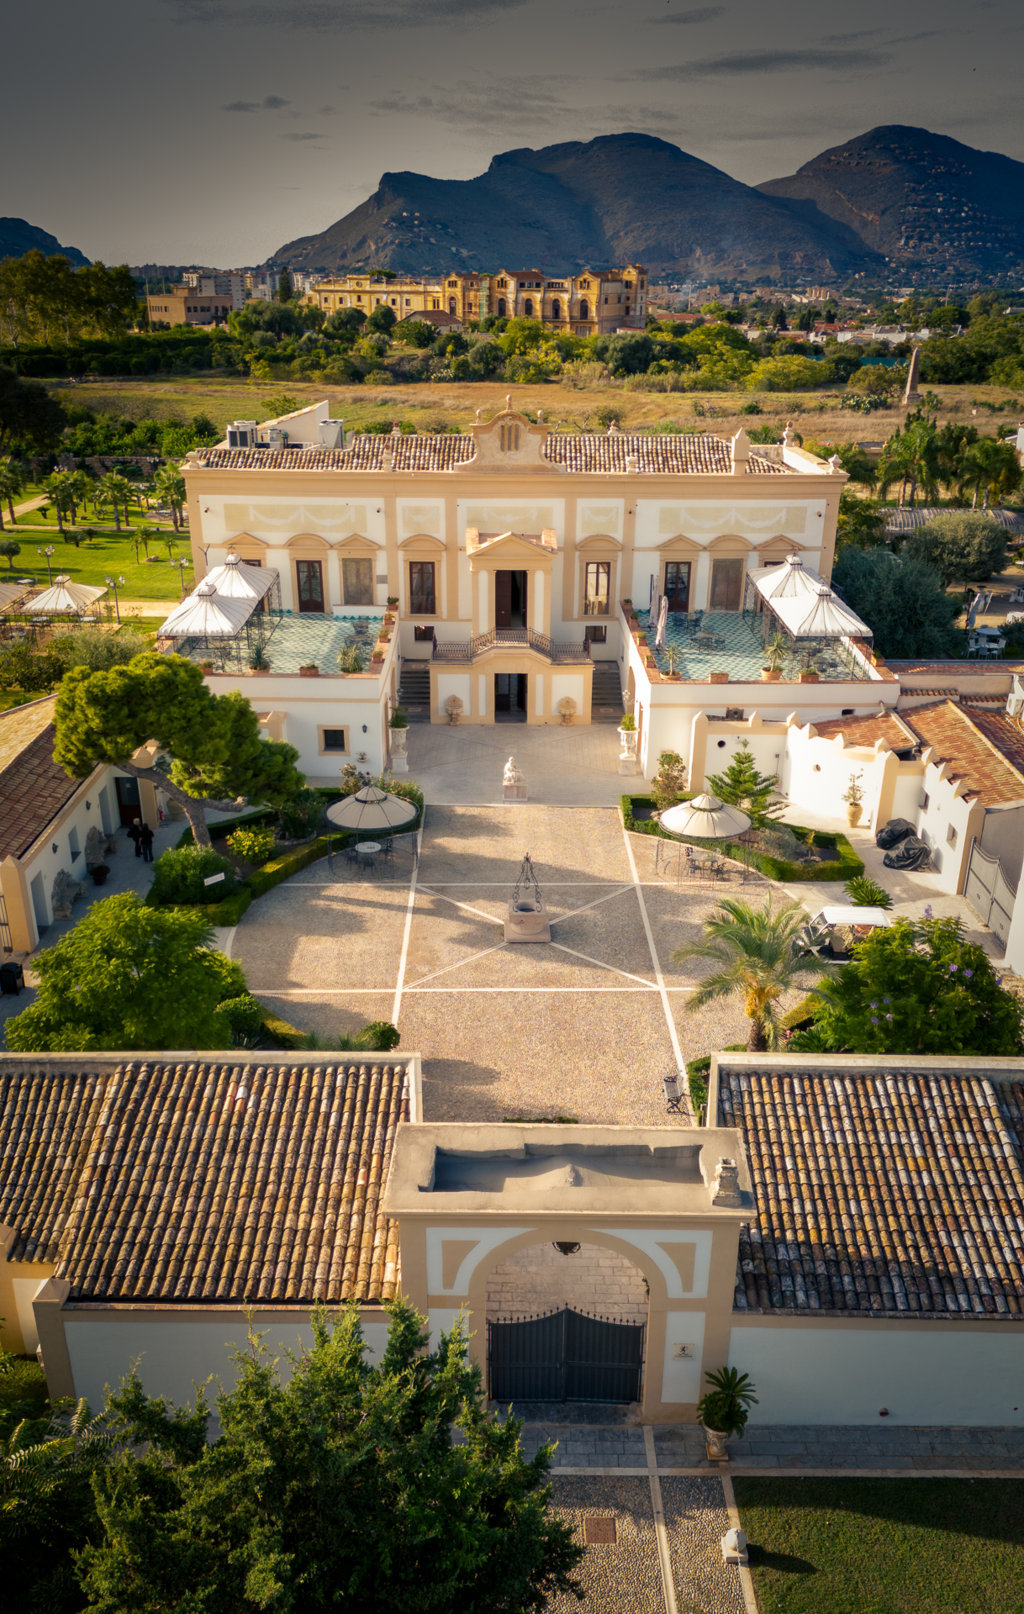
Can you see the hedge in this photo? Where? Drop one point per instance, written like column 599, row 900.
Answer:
column 844, row 866
column 698, row 1072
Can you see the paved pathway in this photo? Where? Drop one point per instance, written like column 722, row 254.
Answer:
column 671, row 1507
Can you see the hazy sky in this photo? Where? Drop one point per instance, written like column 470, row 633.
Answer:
column 213, row 131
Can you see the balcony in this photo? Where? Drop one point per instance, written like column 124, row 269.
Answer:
column 464, row 650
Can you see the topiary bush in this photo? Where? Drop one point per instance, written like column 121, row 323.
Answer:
column 179, row 875
column 244, row 1015
column 379, row 1035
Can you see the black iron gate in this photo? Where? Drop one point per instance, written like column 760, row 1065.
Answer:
column 565, row 1356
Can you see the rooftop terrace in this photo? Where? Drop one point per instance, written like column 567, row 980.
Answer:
column 293, row 641
column 733, row 641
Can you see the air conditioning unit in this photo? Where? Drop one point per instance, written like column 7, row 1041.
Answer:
column 242, row 434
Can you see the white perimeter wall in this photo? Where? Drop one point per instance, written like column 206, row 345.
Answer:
column 846, row 1373
column 174, row 1354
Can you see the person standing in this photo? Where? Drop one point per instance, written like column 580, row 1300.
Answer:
column 134, row 833
column 146, row 843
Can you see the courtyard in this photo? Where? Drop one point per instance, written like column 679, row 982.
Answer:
column 583, row 1027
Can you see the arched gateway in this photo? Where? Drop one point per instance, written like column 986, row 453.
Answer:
column 664, row 1207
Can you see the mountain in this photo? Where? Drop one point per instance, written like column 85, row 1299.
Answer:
column 17, row 237
column 922, row 200
column 618, row 199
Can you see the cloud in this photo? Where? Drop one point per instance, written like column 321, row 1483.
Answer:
column 328, row 15
column 270, row 103
column 317, row 136
column 741, row 62
column 686, row 19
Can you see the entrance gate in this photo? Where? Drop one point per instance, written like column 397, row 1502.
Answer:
column 565, row 1356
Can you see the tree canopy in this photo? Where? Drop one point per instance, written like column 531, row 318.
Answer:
column 335, row 1484
column 28, row 415
column 756, row 955
column 963, row 546
column 129, row 976
column 743, row 786
column 900, row 598
column 217, row 753
column 917, row 987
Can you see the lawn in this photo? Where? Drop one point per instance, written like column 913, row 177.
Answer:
column 109, row 554
column 888, row 1546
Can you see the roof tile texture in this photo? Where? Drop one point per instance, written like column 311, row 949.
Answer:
column 33, row 789
column 583, row 452
column 979, row 751
column 204, row 1181
column 867, row 729
column 889, row 1194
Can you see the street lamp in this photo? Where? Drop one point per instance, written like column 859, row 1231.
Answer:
column 120, row 583
column 182, row 565
column 48, row 552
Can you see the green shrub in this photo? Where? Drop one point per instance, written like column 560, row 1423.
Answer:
column 697, row 1073
column 179, row 875
column 244, row 1015
column 301, row 816
column 379, row 1035
column 254, row 845
column 845, row 864
column 22, row 1392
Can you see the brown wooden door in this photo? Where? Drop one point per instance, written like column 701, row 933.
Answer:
column 677, row 584
column 503, row 599
column 309, row 578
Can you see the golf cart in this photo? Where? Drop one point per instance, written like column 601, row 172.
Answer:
column 832, row 932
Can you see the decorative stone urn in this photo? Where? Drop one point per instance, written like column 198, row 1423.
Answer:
column 627, row 751
column 854, row 809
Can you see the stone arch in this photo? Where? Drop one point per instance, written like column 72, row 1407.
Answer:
column 569, row 1232
column 310, row 541
column 584, row 308
column 556, row 309
column 528, row 307
column 502, row 308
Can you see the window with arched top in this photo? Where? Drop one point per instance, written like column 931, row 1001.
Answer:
column 502, row 308
column 584, row 309
column 452, row 306
column 528, row 307
column 556, row 309
column 508, row 438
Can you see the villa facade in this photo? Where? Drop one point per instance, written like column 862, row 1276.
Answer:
column 586, row 304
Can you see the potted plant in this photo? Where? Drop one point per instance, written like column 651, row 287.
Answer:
column 723, row 1410
column 258, row 662
column 672, row 674
column 399, row 718
column 853, row 796
column 718, row 678
column 309, row 669
column 99, row 872
column 627, row 736
column 775, row 653
column 392, row 601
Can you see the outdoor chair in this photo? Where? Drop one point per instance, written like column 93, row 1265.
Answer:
column 673, row 1096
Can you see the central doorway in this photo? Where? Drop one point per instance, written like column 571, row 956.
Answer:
column 510, row 599
column 566, row 1356
column 510, row 692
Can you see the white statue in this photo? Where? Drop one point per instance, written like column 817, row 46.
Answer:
column 512, row 776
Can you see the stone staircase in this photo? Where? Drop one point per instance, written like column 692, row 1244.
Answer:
column 606, row 697
column 414, row 690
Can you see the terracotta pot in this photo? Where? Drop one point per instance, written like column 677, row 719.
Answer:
column 309, row 672
column 718, row 678
column 715, row 1445
column 809, row 677
column 769, row 675
column 854, row 810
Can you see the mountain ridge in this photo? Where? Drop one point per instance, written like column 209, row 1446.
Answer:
column 17, row 237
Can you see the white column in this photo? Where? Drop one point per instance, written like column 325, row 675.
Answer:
column 701, row 591
column 537, row 581
column 482, row 623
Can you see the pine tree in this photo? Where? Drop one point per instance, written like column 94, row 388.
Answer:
column 742, row 786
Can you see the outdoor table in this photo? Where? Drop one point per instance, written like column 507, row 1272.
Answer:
column 368, row 850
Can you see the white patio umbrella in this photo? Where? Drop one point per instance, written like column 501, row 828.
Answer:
column 705, row 818
column 792, row 577
column 64, row 598
column 371, row 809
column 828, row 617
column 10, row 592
column 237, row 580
column 205, row 614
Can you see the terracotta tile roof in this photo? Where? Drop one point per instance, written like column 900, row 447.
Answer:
column 33, row 788
column 969, row 742
column 894, row 1193
column 867, row 729
column 204, row 1180
column 583, row 452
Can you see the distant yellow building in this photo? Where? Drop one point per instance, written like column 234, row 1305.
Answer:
column 591, row 303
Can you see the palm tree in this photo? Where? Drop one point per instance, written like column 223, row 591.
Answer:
column 989, row 465
column 757, row 953
column 58, row 488
column 911, row 458
column 116, row 491
column 170, row 487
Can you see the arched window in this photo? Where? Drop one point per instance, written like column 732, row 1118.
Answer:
column 502, row 310
column 528, row 307
column 452, row 309
column 556, row 309
column 584, row 309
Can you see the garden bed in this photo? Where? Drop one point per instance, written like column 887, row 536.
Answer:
column 825, row 856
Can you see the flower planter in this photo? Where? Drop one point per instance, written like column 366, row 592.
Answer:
column 309, row 672
column 809, row 678
column 99, row 872
column 718, row 678
column 769, row 675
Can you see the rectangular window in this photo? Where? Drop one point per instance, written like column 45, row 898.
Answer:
column 357, row 582
column 309, row 579
column 422, row 597
column 726, row 585
column 597, row 587
column 74, row 846
column 333, row 740
column 951, row 836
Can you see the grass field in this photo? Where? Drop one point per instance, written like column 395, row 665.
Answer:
column 427, row 405
column 857, row 1546
column 110, row 554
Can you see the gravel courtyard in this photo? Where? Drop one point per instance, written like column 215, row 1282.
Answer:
column 584, row 1027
